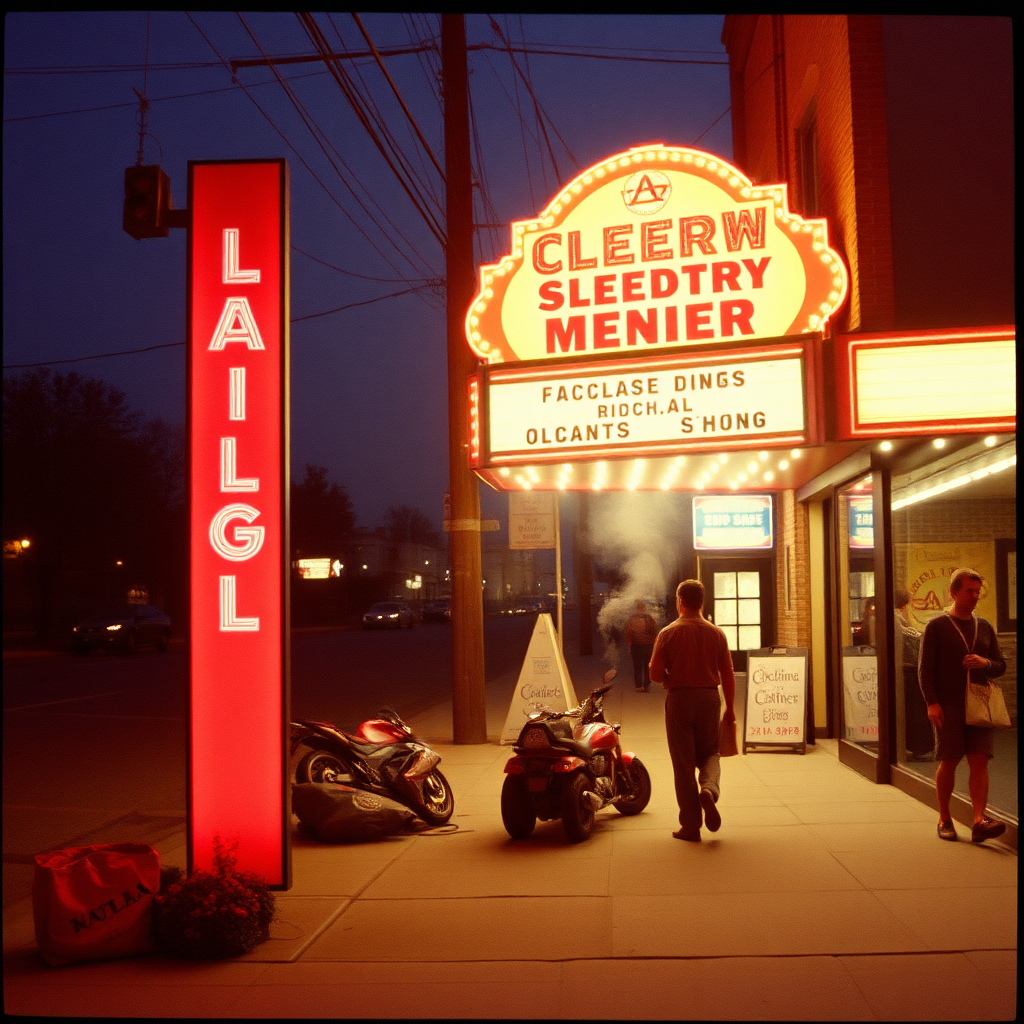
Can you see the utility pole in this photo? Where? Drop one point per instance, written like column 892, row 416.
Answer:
column 469, row 708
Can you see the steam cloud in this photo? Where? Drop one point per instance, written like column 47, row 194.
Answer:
column 641, row 533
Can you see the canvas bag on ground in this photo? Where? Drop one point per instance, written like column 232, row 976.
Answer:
column 339, row 814
column 95, row 902
column 985, row 706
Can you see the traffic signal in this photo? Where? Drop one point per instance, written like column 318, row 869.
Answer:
column 147, row 202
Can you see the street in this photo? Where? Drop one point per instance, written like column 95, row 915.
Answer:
column 89, row 741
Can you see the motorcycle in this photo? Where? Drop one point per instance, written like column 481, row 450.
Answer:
column 569, row 765
column 383, row 757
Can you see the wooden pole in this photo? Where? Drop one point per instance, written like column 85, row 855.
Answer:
column 469, row 708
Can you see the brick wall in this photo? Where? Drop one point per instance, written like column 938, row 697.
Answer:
column 793, row 623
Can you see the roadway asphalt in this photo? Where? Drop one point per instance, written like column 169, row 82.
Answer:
column 822, row 897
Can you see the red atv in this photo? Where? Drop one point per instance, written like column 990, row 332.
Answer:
column 569, row 765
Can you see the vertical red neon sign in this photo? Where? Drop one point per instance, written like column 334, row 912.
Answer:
column 238, row 480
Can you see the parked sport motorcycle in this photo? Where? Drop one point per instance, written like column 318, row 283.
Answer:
column 569, row 765
column 383, row 757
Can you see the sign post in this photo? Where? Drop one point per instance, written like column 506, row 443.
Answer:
column 238, row 493
column 776, row 700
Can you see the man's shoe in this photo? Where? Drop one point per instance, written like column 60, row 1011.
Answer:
column 946, row 831
column 986, row 829
column 690, row 837
column 712, row 818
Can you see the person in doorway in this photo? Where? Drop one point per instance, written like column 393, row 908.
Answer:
column 920, row 740
column 641, row 632
column 954, row 645
column 691, row 659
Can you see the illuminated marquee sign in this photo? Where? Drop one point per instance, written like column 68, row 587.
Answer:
column 238, row 440
column 667, row 403
column 654, row 248
column 918, row 382
column 732, row 522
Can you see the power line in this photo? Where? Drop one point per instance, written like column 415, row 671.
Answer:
column 302, row 159
column 179, row 344
column 405, row 178
column 320, row 137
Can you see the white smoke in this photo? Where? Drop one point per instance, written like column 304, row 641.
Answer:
column 640, row 533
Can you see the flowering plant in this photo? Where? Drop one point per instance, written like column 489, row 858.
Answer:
column 213, row 914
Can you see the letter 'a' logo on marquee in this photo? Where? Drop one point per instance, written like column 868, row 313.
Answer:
column 646, row 192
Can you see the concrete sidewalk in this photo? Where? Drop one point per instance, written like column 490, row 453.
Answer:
column 822, row 897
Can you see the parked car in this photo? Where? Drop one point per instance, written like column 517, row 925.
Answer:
column 389, row 615
column 123, row 627
column 526, row 608
column 438, row 611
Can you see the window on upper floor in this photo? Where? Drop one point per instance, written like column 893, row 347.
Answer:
column 807, row 164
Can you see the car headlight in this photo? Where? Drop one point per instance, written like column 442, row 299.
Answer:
column 114, row 627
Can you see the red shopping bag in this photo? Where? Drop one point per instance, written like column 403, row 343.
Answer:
column 95, row 902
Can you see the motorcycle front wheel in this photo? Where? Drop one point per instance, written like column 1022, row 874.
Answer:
column 320, row 766
column 437, row 802
column 577, row 816
column 517, row 813
column 640, row 779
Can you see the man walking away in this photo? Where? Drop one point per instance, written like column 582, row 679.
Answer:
column 954, row 645
column 691, row 659
column 641, row 632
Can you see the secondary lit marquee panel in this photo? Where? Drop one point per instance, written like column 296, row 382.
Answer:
column 642, row 407
column 920, row 382
column 238, row 471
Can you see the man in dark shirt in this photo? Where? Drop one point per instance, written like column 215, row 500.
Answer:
column 954, row 645
column 691, row 658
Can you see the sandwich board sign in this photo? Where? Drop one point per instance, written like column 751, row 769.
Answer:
column 543, row 680
column 776, row 702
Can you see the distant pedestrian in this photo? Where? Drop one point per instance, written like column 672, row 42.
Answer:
column 641, row 632
column 691, row 659
column 918, row 736
column 954, row 645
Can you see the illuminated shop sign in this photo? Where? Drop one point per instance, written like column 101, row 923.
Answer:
column 732, row 521
column 861, row 522
column 238, row 439
column 670, row 403
column 657, row 247
column 318, row 568
column 918, row 382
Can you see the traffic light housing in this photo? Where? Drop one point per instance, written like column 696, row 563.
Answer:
column 147, row 202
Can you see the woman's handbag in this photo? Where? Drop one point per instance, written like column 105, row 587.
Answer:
column 95, row 902
column 984, row 706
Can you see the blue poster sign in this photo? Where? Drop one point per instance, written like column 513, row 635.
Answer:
column 861, row 520
column 732, row 522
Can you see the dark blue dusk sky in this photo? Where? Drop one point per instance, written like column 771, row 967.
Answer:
column 369, row 385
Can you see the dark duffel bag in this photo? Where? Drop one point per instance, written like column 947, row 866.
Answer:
column 340, row 814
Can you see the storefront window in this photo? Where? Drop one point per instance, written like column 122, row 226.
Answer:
column 856, row 592
column 958, row 511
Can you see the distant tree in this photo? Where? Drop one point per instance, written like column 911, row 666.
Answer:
column 91, row 483
column 409, row 525
column 322, row 517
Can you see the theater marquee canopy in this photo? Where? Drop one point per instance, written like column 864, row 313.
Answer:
column 660, row 307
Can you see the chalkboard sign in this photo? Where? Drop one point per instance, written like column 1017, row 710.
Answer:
column 776, row 699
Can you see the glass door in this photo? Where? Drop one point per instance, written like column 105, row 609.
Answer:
column 739, row 601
